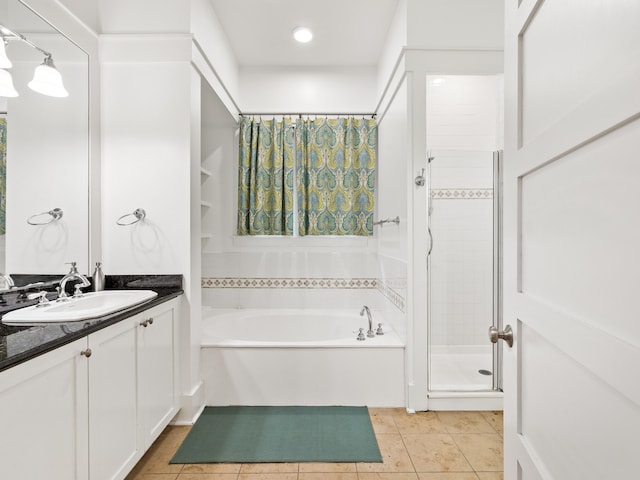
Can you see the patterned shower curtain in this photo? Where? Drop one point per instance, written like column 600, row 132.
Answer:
column 336, row 161
column 265, row 177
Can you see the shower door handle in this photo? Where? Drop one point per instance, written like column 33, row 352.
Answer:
column 506, row 335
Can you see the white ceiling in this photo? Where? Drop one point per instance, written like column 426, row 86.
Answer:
column 346, row 32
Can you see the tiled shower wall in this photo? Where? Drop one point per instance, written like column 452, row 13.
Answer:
column 461, row 267
column 463, row 124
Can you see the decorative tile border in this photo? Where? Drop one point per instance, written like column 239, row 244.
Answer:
column 322, row 283
column 388, row 289
column 462, row 193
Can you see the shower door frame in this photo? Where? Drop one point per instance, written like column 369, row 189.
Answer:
column 496, row 385
column 497, row 266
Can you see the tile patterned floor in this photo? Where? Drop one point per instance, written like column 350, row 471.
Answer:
column 423, row 446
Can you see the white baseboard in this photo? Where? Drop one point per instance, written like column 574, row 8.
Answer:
column 443, row 401
column 192, row 405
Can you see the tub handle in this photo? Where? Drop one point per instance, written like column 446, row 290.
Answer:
column 379, row 330
column 361, row 336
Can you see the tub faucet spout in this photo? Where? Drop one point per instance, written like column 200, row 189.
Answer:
column 370, row 332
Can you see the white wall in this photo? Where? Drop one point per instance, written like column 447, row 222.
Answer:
column 146, row 151
column 213, row 54
column 456, row 24
column 394, row 45
column 141, row 16
column 301, row 90
column 392, row 244
column 146, row 163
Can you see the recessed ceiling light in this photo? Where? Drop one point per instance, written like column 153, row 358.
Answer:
column 302, row 34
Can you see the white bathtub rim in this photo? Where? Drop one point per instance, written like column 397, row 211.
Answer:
column 389, row 340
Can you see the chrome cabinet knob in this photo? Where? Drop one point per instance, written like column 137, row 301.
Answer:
column 506, row 335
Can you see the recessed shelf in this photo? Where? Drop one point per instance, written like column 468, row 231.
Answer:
column 205, row 204
column 204, row 172
column 205, row 235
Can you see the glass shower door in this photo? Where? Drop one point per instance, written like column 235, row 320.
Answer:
column 462, row 270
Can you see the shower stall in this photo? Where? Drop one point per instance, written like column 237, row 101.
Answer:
column 464, row 125
column 463, row 267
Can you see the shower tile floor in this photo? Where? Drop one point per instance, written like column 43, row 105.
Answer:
column 422, row 446
column 460, row 371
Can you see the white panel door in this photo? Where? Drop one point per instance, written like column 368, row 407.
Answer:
column 572, row 239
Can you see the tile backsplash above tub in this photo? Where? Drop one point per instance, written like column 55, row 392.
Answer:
column 340, row 283
column 241, row 291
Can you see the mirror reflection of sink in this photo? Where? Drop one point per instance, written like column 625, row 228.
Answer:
column 90, row 305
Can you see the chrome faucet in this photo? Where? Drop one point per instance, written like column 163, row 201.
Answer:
column 8, row 281
column 370, row 333
column 72, row 275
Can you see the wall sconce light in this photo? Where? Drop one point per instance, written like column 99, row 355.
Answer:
column 4, row 60
column 6, row 85
column 46, row 79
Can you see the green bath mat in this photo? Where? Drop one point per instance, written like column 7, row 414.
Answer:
column 280, row 434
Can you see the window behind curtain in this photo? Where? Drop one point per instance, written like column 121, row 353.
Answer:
column 335, row 168
column 265, row 177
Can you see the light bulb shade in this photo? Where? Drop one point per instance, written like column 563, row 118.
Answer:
column 6, row 85
column 47, row 80
column 4, row 60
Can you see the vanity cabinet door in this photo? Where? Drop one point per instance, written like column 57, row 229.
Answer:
column 114, row 447
column 157, row 370
column 43, row 421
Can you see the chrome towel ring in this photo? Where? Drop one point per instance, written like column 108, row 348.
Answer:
column 55, row 214
column 138, row 215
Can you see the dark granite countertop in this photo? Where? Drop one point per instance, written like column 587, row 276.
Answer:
column 21, row 343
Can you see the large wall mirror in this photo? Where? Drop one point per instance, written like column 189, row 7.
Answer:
column 44, row 155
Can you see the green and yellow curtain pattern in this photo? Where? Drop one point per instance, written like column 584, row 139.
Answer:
column 336, row 160
column 335, row 169
column 3, row 175
column 265, row 177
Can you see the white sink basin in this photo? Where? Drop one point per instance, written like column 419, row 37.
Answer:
column 91, row 305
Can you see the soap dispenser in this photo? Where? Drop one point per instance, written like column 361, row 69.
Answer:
column 98, row 278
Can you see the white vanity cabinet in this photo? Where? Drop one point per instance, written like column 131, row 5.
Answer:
column 44, row 416
column 113, row 410
column 132, row 389
column 90, row 409
column 158, row 399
